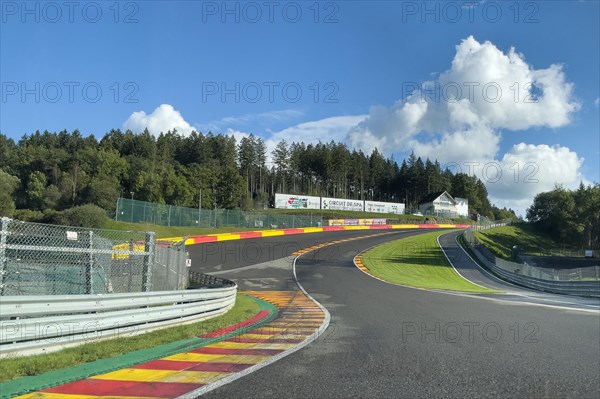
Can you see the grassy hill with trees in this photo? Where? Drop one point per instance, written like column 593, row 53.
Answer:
column 560, row 221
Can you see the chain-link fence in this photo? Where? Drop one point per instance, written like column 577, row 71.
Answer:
column 134, row 211
column 40, row 259
column 525, row 269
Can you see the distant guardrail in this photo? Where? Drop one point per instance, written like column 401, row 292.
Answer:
column 527, row 275
column 41, row 324
column 201, row 280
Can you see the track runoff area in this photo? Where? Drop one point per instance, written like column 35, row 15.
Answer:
column 340, row 332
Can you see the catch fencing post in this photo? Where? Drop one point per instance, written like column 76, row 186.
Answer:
column 3, row 260
column 90, row 264
column 148, row 261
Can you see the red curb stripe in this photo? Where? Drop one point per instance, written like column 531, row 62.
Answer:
column 333, row 228
column 203, row 239
column 193, row 366
column 261, row 315
column 293, row 231
column 230, row 351
column 250, row 234
column 124, row 388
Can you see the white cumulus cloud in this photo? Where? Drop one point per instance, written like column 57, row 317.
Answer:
column 162, row 119
column 484, row 91
column 461, row 116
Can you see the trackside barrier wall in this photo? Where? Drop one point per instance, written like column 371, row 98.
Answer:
column 527, row 275
column 41, row 324
column 200, row 239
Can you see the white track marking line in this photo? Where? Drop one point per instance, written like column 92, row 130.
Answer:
column 437, row 239
column 273, row 359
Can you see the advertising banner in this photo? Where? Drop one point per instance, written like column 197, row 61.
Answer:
column 338, row 204
column 384, row 207
column 289, row 201
column 355, row 222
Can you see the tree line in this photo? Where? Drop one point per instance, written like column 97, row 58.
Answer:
column 569, row 216
column 45, row 172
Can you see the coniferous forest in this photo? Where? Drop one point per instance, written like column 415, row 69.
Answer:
column 47, row 172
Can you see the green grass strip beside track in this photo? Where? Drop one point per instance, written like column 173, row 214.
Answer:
column 418, row 262
column 33, row 373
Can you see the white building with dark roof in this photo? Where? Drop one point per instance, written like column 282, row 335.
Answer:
column 439, row 204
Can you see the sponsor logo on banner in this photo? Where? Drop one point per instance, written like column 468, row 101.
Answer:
column 297, row 202
column 341, row 204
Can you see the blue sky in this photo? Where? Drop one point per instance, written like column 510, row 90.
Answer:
column 165, row 64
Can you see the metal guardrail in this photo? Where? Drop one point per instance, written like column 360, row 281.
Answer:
column 201, row 280
column 42, row 324
column 526, row 275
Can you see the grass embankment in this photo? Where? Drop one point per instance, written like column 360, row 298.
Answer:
column 530, row 241
column 171, row 231
column 417, row 262
column 12, row 368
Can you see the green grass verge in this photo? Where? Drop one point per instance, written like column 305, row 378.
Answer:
column 530, row 241
column 171, row 231
column 417, row 262
column 11, row 368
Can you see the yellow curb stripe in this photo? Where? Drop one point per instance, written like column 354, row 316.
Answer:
column 227, row 237
column 210, row 358
column 143, row 375
column 246, row 345
column 271, row 233
column 313, row 229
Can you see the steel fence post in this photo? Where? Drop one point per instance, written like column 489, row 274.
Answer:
column 149, row 248
column 167, row 263
column 130, row 263
column 3, row 259
column 89, row 264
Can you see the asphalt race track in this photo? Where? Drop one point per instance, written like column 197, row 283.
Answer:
column 391, row 341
